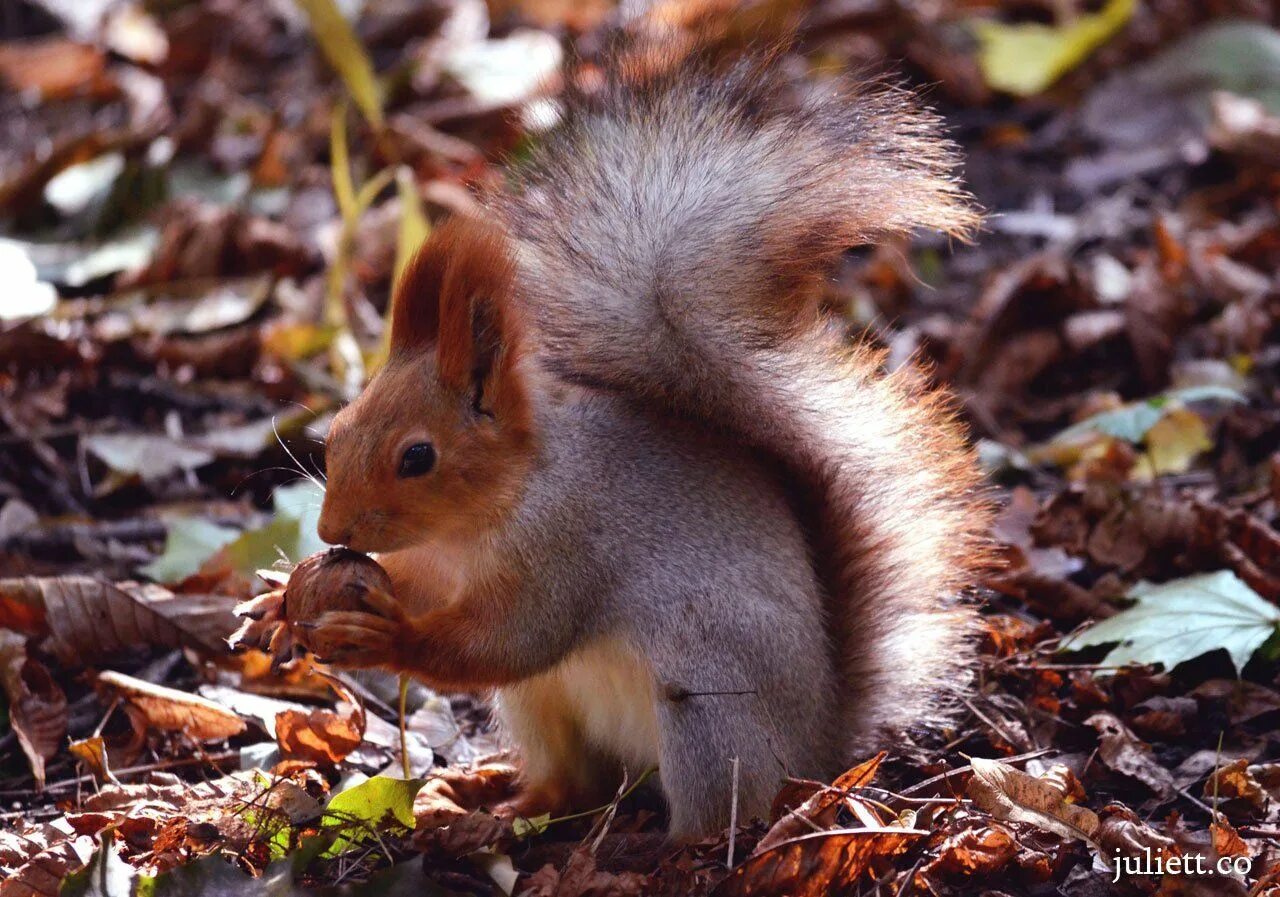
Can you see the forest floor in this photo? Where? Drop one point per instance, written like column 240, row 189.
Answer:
column 196, row 263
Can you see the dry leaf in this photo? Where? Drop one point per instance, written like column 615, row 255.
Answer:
column 1227, row 841
column 37, row 705
column 581, row 878
column 1125, row 753
column 169, row 710
column 92, row 751
column 1009, row 794
column 816, row 864
column 320, row 736
column 90, row 619
column 35, row 857
column 1236, row 782
column 53, row 68
column 819, row 809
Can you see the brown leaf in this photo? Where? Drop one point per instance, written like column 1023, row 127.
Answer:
column 1227, row 841
column 53, row 67
column 321, row 736
column 37, row 705
column 1009, row 794
column 91, row 620
column 819, row 809
column 1237, row 785
column 92, row 751
column 1244, row 700
column 170, row 710
column 975, row 851
column 453, row 792
column 581, row 878
column 1122, row 833
column 232, row 814
column 36, row 857
column 815, row 864
column 1125, row 753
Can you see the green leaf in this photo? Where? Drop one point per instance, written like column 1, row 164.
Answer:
column 347, row 55
column 1132, row 422
column 189, row 542
column 301, row 501
column 368, row 807
column 1183, row 619
column 292, row 533
column 1024, row 59
column 523, row 828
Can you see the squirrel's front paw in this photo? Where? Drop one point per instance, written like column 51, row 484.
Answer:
column 264, row 627
column 322, row 609
column 349, row 638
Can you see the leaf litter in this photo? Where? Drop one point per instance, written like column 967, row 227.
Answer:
column 200, row 239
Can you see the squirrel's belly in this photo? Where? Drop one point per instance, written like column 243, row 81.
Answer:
column 601, row 697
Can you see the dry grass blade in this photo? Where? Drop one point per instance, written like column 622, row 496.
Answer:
column 347, row 55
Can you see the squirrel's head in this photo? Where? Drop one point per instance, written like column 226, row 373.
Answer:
column 440, row 441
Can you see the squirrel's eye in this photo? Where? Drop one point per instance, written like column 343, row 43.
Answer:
column 417, row 460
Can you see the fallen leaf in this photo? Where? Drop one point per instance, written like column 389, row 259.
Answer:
column 320, row 736
column 1175, row 441
column 580, row 877
column 169, row 710
column 820, row 809
column 1125, row 753
column 1182, row 619
column 815, row 864
column 188, row 543
column 1009, row 794
column 150, row 457
column 90, row 620
column 506, row 70
column 353, row 815
column 974, row 851
column 92, row 751
column 51, row 67
column 1024, row 59
column 37, row 705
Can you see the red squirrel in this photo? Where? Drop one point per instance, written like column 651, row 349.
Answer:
column 624, row 469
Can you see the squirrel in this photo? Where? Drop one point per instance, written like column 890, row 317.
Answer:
column 624, row 468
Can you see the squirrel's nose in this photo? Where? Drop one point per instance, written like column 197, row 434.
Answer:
column 331, row 532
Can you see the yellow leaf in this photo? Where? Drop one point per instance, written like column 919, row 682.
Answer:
column 1176, row 440
column 347, row 55
column 414, row 226
column 1025, row 59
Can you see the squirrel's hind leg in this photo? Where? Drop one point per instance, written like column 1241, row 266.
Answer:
column 559, row 774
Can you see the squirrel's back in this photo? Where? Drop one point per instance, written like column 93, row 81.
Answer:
column 673, row 236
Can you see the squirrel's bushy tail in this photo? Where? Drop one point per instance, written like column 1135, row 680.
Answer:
column 674, row 232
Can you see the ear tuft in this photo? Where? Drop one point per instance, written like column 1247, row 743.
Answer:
column 463, row 259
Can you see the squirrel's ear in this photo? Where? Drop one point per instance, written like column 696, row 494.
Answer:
column 415, row 304
column 479, row 338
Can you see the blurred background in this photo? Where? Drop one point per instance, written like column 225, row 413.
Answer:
column 204, row 205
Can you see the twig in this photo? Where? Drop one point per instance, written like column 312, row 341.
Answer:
column 405, row 764
column 733, row 815
column 961, row 770
column 146, row 767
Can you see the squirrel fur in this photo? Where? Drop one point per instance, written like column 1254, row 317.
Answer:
column 622, row 467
